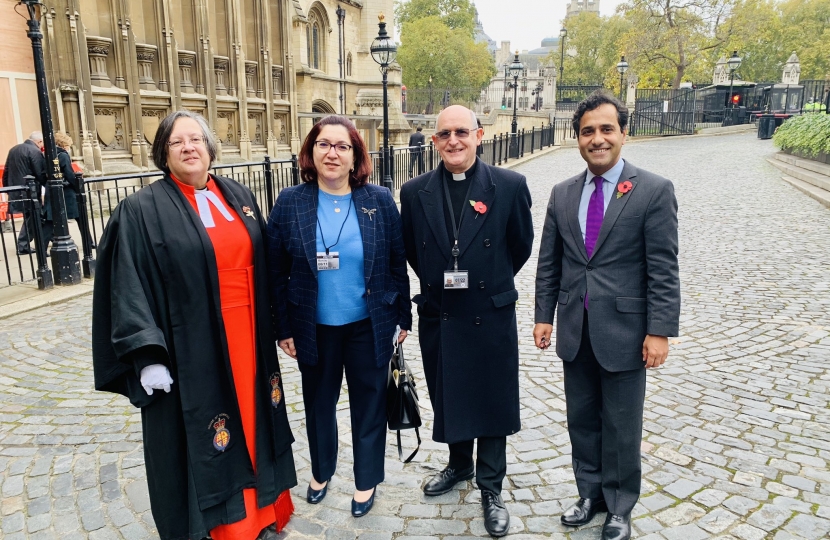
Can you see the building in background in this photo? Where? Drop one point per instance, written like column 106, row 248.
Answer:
column 260, row 71
column 578, row 6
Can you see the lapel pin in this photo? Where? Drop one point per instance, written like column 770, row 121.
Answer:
column 479, row 207
column 369, row 212
column 248, row 212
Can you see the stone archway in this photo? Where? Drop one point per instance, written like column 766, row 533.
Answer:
column 321, row 106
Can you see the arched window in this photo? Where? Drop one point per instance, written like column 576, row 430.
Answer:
column 349, row 65
column 316, row 32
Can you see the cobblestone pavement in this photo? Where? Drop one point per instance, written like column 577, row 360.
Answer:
column 736, row 440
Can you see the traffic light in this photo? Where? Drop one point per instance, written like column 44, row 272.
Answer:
column 736, row 100
column 503, row 102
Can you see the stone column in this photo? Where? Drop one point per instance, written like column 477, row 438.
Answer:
column 98, row 49
column 187, row 61
column 220, row 69
column 145, row 56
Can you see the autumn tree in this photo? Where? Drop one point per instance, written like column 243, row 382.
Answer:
column 592, row 49
column 455, row 14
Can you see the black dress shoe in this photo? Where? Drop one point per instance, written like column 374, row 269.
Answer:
column 616, row 527
column 313, row 496
column 362, row 508
column 25, row 251
column 444, row 481
column 496, row 517
column 583, row 511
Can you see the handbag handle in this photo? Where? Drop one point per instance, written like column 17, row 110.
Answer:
column 400, row 450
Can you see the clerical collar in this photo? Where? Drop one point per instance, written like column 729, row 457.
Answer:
column 465, row 175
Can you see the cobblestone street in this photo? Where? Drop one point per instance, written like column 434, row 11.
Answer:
column 737, row 428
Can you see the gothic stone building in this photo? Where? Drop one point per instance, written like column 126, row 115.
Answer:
column 260, row 71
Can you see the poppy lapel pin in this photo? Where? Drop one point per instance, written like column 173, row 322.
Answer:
column 623, row 188
column 248, row 212
column 479, row 207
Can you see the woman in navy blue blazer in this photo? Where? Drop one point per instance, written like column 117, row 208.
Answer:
column 339, row 288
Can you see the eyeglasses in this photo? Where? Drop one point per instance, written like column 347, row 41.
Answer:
column 194, row 141
column 340, row 148
column 462, row 133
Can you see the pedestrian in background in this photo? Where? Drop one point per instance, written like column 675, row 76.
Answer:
column 468, row 231
column 25, row 159
column 608, row 264
column 416, row 151
column 63, row 144
column 182, row 326
column 340, row 288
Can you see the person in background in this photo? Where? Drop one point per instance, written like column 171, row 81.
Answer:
column 416, row 151
column 340, row 288
column 25, row 159
column 182, row 326
column 63, row 144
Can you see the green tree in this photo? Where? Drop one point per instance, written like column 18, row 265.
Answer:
column 670, row 41
column 429, row 48
column 455, row 14
column 755, row 29
column 806, row 30
column 592, row 49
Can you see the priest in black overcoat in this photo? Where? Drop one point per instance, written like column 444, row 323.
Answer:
column 157, row 302
column 467, row 231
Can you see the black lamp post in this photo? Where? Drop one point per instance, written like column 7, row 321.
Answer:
column 622, row 67
column 429, row 109
column 734, row 63
column 516, row 69
column 383, row 51
column 538, row 93
column 66, row 266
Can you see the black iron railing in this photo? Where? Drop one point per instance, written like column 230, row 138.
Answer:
column 29, row 263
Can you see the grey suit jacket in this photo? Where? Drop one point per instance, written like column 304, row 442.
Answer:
column 632, row 275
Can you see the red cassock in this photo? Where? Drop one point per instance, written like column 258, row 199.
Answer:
column 234, row 261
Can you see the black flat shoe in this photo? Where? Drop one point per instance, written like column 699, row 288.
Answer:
column 496, row 517
column 444, row 481
column 583, row 511
column 362, row 508
column 616, row 527
column 314, row 496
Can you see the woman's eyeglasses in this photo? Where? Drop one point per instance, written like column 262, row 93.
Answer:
column 462, row 133
column 340, row 148
column 194, row 141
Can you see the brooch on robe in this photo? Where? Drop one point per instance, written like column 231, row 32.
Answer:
column 276, row 393
column 248, row 212
column 370, row 212
column 222, row 437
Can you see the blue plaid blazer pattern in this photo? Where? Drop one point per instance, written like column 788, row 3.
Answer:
column 292, row 267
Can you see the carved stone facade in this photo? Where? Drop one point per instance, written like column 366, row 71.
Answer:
column 115, row 68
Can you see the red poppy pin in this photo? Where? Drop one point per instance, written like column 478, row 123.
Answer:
column 623, row 188
column 248, row 212
column 479, row 207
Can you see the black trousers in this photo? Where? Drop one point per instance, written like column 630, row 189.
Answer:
column 605, row 424
column 416, row 158
column 350, row 346
column 27, row 230
column 491, row 463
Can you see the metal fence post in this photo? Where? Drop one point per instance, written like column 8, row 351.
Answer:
column 392, row 166
column 295, row 170
column 45, row 279
column 88, row 262
column 532, row 136
column 498, row 150
column 269, row 183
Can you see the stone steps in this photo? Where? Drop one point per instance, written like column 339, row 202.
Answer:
column 810, row 177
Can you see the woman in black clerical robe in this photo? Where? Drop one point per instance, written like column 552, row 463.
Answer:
column 182, row 326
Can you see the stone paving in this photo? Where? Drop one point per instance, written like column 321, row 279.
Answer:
column 736, row 440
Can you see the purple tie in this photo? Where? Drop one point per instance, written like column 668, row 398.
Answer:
column 596, row 211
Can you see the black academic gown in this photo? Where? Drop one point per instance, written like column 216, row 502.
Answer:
column 156, row 301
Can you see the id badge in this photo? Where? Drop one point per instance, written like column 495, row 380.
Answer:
column 328, row 262
column 455, row 280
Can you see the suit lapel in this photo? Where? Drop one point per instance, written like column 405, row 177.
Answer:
column 365, row 204
column 482, row 190
column 573, row 198
column 616, row 205
column 432, row 200
column 307, row 220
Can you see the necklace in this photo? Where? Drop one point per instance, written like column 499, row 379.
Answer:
column 335, row 199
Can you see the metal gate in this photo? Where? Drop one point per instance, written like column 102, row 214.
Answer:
column 664, row 112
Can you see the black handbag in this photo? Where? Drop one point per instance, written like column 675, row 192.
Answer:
column 402, row 411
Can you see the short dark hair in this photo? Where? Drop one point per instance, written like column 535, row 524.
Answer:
column 160, row 150
column 362, row 164
column 594, row 101
column 419, row 128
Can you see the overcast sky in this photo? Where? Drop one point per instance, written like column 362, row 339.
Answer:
column 525, row 23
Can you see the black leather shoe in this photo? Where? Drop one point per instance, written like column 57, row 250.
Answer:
column 313, row 496
column 25, row 251
column 496, row 517
column 268, row 533
column 616, row 527
column 444, row 481
column 583, row 511
column 362, row 508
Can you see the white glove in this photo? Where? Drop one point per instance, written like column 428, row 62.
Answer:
column 156, row 376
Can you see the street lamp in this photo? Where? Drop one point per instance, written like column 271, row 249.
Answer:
column 516, row 69
column 734, row 63
column 429, row 109
column 563, row 33
column 66, row 266
column 383, row 51
column 622, row 67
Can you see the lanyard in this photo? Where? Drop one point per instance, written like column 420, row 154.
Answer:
column 323, row 238
column 455, row 228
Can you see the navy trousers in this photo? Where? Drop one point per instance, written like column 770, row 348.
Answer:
column 349, row 347
column 605, row 424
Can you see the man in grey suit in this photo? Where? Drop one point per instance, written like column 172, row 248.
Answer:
column 608, row 262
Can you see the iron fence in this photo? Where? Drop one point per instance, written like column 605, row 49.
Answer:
column 20, row 204
column 663, row 112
